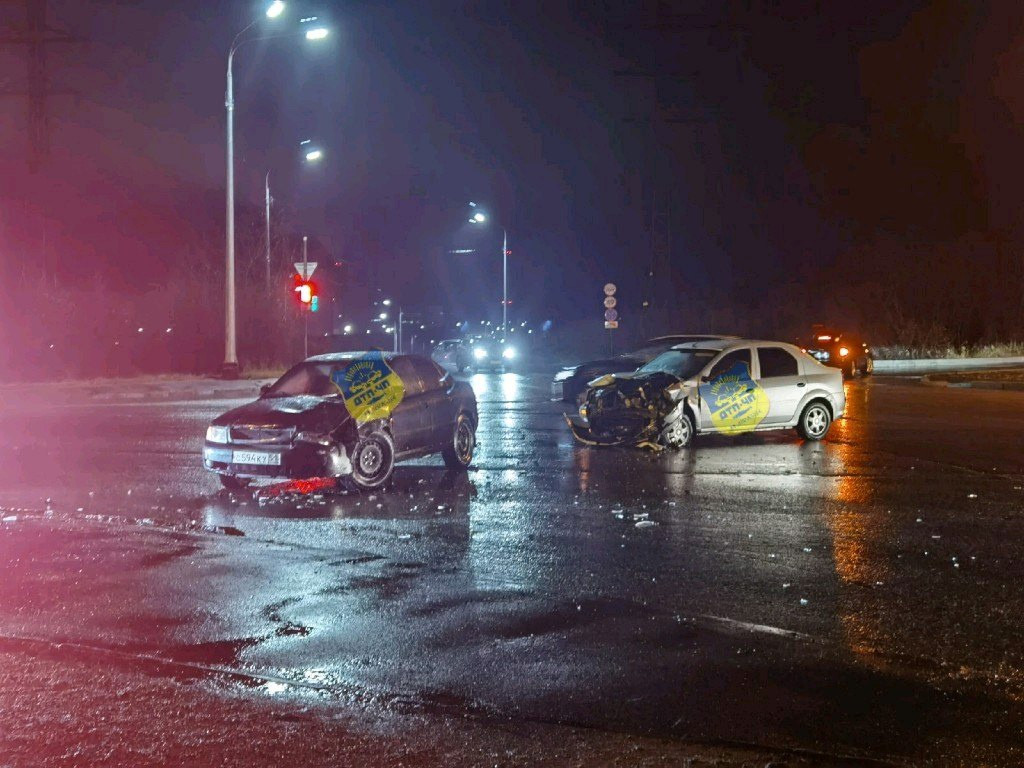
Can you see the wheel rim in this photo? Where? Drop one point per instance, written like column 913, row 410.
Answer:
column 371, row 459
column 464, row 442
column 816, row 421
column 679, row 432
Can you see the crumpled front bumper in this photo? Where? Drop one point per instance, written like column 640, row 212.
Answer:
column 297, row 461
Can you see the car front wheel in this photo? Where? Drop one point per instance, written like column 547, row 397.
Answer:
column 814, row 421
column 679, row 433
column 458, row 452
column 373, row 461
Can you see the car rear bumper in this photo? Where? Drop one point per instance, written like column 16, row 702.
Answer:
column 287, row 461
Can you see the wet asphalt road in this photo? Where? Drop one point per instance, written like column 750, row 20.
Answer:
column 858, row 597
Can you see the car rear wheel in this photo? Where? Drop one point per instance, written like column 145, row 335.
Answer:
column 814, row 421
column 458, row 452
column 677, row 434
column 373, row 461
column 233, row 483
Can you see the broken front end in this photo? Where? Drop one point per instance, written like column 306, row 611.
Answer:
column 624, row 409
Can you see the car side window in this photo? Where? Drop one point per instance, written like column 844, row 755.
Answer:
column 429, row 374
column 775, row 361
column 730, row 360
column 403, row 366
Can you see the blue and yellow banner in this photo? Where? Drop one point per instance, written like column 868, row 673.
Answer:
column 370, row 387
column 736, row 402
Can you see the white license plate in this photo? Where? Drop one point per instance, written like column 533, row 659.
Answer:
column 255, row 457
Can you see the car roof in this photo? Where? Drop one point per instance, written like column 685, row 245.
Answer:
column 681, row 337
column 341, row 357
column 727, row 344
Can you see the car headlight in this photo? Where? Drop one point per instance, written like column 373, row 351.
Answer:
column 508, row 353
column 217, row 434
column 843, row 351
column 479, row 353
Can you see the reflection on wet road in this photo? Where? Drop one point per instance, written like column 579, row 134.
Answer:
column 859, row 596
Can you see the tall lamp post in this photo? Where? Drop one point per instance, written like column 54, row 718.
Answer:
column 479, row 217
column 311, row 156
column 230, row 367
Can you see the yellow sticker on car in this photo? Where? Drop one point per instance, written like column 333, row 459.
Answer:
column 369, row 387
column 736, row 402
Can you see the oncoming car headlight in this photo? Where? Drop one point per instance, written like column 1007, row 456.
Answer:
column 479, row 353
column 217, row 434
column 508, row 353
column 843, row 351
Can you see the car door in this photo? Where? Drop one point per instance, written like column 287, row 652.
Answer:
column 437, row 404
column 731, row 401
column 410, row 421
column 779, row 377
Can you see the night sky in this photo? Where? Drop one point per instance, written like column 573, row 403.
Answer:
column 774, row 137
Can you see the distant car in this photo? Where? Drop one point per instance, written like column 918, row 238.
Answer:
column 571, row 381
column 492, row 354
column 351, row 416
column 453, row 355
column 726, row 386
column 841, row 350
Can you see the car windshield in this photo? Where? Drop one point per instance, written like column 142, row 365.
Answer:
column 681, row 363
column 307, row 379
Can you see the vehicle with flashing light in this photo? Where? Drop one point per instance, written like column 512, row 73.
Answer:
column 729, row 387
column 840, row 349
column 570, row 382
column 349, row 416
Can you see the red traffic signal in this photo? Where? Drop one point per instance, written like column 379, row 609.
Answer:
column 306, row 290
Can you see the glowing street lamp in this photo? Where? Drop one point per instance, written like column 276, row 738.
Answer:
column 479, row 217
column 274, row 11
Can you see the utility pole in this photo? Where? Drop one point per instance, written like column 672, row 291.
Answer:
column 35, row 34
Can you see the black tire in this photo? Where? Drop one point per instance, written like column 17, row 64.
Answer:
column 373, row 461
column 677, row 434
column 458, row 451
column 815, row 420
column 233, row 483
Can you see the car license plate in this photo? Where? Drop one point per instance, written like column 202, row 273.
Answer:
column 256, row 457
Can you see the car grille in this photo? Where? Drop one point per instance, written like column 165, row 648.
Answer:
column 261, row 435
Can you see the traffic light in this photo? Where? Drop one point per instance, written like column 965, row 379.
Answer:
column 307, row 294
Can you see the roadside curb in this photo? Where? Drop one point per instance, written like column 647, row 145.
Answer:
column 1011, row 386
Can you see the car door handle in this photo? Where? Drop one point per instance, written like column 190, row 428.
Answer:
column 801, row 384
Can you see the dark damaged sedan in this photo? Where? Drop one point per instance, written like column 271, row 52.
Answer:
column 349, row 416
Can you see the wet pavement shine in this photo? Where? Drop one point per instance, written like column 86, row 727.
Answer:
column 859, row 598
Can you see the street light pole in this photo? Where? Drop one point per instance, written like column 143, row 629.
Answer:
column 504, row 284
column 266, row 190
column 230, row 368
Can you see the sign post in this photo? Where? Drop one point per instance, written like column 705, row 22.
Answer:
column 611, row 315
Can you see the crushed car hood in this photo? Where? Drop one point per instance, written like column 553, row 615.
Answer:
column 304, row 412
column 626, row 409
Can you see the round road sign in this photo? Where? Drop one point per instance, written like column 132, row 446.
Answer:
column 609, row 302
column 609, row 289
column 611, row 315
